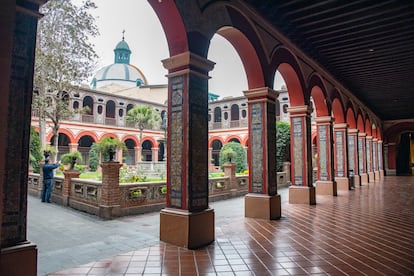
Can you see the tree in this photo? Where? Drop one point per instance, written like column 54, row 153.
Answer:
column 93, row 157
column 35, row 151
column 143, row 116
column 237, row 154
column 64, row 58
column 282, row 144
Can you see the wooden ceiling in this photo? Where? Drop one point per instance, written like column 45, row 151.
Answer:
column 367, row 45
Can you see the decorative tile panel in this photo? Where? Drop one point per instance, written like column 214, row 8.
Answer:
column 176, row 144
column 361, row 154
column 257, row 147
column 323, row 158
column 339, row 141
column 351, row 153
column 298, row 155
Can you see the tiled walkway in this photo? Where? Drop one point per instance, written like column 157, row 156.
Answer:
column 368, row 231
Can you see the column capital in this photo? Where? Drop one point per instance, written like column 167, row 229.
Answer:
column 340, row 126
column 260, row 94
column 188, row 62
column 374, row 139
column 369, row 137
column 380, row 141
column 324, row 119
column 353, row 131
column 297, row 110
column 362, row 134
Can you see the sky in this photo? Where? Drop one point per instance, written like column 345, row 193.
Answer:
column 146, row 39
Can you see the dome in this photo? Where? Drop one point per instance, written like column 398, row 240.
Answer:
column 121, row 72
column 124, row 74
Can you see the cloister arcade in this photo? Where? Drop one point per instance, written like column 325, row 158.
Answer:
column 350, row 137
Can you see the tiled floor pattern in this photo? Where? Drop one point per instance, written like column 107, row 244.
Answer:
column 368, row 231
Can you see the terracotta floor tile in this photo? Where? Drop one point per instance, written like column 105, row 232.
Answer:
column 367, row 231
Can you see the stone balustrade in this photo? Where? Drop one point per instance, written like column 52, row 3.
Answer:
column 125, row 198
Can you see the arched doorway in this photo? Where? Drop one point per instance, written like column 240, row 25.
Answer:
column 147, row 150
column 84, row 146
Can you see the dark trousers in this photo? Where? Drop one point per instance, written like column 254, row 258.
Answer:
column 47, row 190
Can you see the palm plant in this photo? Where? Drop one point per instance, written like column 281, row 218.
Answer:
column 143, row 116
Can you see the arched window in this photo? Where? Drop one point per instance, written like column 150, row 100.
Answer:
column 88, row 102
column 244, row 113
column 226, row 116
column 121, row 112
column 234, row 112
column 75, row 105
column 110, row 109
column 217, row 114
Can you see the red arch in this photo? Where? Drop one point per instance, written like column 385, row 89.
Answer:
column 152, row 141
column 63, row 131
column 211, row 140
column 350, row 118
column 286, row 63
column 368, row 127
column 248, row 56
column 321, row 105
column 172, row 24
column 113, row 135
column 360, row 123
column 132, row 137
column 338, row 111
column 86, row 133
column 231, row 137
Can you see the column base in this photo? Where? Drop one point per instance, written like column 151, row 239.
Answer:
column 302, row 195
column 262, row 206
column 19, row 260
column 326, row 188
column 371, row 177
column 343, row 184
column 377, row 175
column 109, row 212
column 186, row 229
column 357, row 180
column 364, row 178
column 381, row 173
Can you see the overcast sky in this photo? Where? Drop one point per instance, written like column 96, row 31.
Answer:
column 146, row 39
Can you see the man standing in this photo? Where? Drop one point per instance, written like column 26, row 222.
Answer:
column 48, row 179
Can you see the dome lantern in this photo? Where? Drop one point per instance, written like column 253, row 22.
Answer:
column 122, row 51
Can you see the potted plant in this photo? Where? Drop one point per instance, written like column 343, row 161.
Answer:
column 108, row 146
column 71, row 158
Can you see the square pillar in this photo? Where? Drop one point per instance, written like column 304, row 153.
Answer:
column 325, row 185
column 375, row 158
column 369, row 161
column 18, row 21
column 362, row 158
column 353, row 165
column 302, row 190
column 187, row 214
column 69, row 174
column 341, row 157
column 109, row 203
column 262, row 201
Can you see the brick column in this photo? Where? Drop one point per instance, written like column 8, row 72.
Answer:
column 69, row 174
column 369, row 162
column 301, row 190
column 325, row 185
column 109, row 203
column 362, row 158
column 262, row 201
column 353, row 164
column 187, row 221
column 341, row 157
column 18, row 256
column 230, row 171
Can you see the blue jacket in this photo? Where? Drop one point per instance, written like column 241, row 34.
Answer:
column 48, row 170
